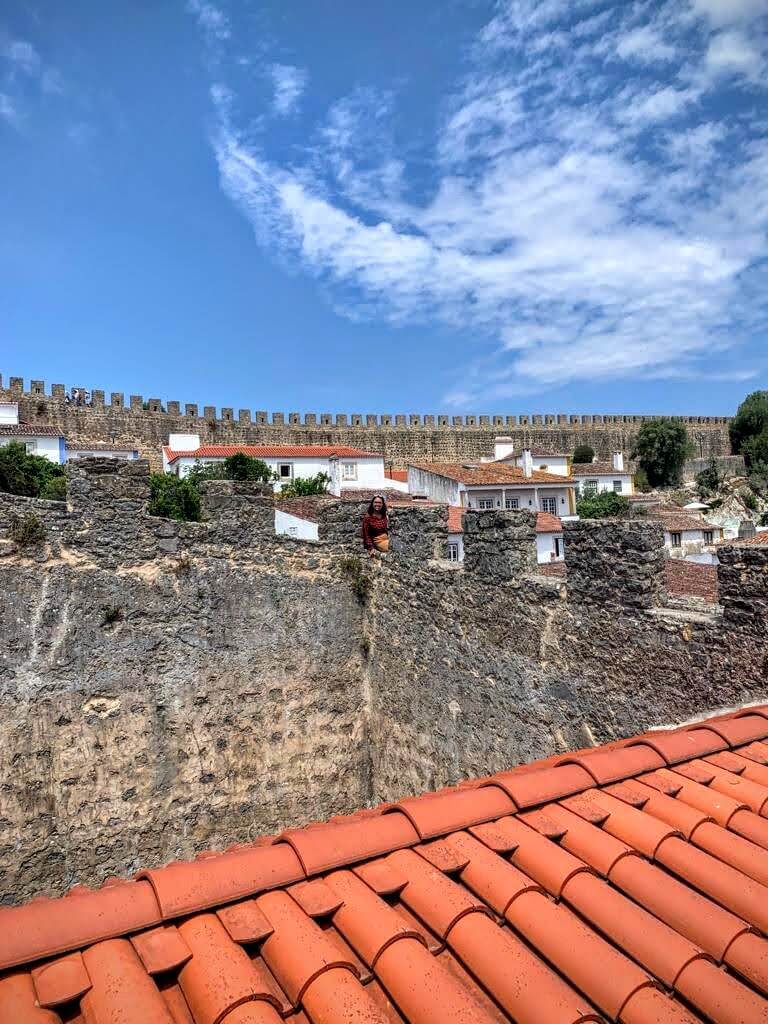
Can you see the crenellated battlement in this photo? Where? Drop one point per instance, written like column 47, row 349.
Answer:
column 399, row 437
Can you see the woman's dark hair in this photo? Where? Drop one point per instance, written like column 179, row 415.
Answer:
column 372, row 511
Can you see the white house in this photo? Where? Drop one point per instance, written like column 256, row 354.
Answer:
column 545, row 462
column 596, row 477
column 348, row 468
column 549, row 539
column 104, row 451
column 45, row 441
column 687, row 535
column 455, row 546
column 489, row 485
column 297, row 517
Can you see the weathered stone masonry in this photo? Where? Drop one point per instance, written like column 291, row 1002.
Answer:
column 400, row 438
column 167, row 688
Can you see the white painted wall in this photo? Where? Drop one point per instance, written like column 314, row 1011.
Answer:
column 545, row 547
column 436, row 488
column 9, row 414
column 104, row 453
column 366, row 474
column 458, row 539
column 692, row 542
column 46, row 447
column 557, row 464
column 526, row 497
column 605, row 483
column 293, row 526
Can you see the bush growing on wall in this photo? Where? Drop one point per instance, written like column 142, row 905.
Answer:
column 750, row 421
column 606, row 505
column 172, row 497
column 30, row 475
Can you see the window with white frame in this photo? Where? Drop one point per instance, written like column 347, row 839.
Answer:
column 31, row 447
column 285, row 470
column 453, row 551
column 349, row 471
column 676, row 540
column 511, row 503
column 549, row 505
column 485, row 503
column 590, row 488
column 617, row 486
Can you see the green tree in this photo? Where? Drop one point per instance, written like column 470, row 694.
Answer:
column 751, row 419
column 30, row 475
column 172, row 497
column 583, row 453
column 755, row 450
column 605, row 505
column 303, row 487
column 244, row 467
column 708, row 481
column 662, row 447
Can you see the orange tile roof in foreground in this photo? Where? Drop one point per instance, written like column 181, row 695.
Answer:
column 626, row 883
column 271, row 451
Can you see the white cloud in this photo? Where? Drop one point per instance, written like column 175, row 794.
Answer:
column 644, row 44
column 591, row 230
column 8, row 111
column 727, row 12
column 211, row 19
column 732, row 52
column 21, row 54
column 289, row 83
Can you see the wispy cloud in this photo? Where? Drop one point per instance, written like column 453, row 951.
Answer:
column 211, row 19
column 592, row 205
column 289, row 83
column 22, row 75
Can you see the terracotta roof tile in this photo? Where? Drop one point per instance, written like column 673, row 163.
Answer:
column 478, row 473
column 632, row 881
column 29, row 430
column 602, row 469
column 270, row 451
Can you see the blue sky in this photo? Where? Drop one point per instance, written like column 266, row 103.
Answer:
column 471, row 206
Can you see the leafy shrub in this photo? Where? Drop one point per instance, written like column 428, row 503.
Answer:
column 749, row 499
column 641, row 480
column 244, row 467
column 764, row 519
column 111, row 614
column 54, row 489
column 303, row 487
column 583, row 453
column 708, row 481
column 606, row 505
column 351, row 566
column 22, row 473
column 755, row 450
column 662, row 447
column 750, row 421
column 172, row 497
column 26, row 531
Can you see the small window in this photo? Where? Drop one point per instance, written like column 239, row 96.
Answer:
column 590, row 488
column 293, row 531
column 677, row 540
column 617, row 486
column 453, row 551
column 558, row 547
column 709, row 537
column 549, row 505
column 485, row 503
column 349, row 471
column 512, row 503
column 285, row 470
column 31, row 447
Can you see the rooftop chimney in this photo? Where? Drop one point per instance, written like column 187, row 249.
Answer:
column 618, row 461
column 9, row 413
column 527, row 462
column 503, row 448
column 183, row 442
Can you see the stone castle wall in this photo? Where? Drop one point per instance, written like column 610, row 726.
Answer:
column 167, row 688
column 147, row 423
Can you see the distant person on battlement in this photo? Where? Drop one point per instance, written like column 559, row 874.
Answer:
column 376, row 527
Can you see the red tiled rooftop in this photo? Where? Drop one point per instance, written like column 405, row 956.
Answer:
column 547, row 523
column 625, row 883
column 28, row 430
column 456, row 519
column 691, row 579
column 757, row 541
column 99, row 445
column 270, row 451
column 491, row 473
column 602, row 469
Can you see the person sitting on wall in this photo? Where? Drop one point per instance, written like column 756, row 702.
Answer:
column 376, row 526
